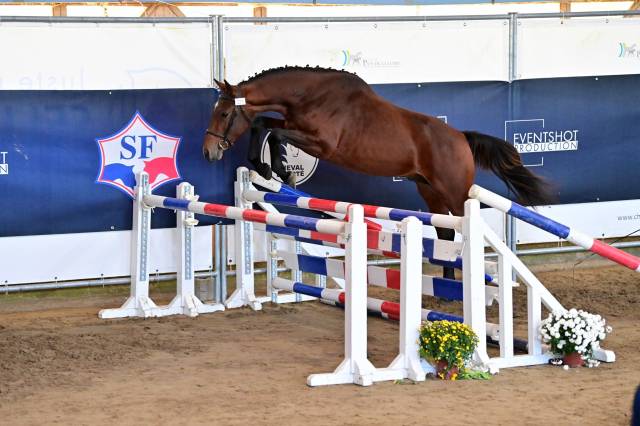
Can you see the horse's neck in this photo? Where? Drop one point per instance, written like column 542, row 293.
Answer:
column 285, row 95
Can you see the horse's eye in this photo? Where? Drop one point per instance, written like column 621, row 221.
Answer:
column 224, row 114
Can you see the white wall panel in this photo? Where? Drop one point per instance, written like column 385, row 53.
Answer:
column 63, row 257
column 78, row 56
column 578, row 47
column 380, row 53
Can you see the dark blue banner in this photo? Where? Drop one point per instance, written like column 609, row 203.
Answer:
column 67, row 158
column 53, row 158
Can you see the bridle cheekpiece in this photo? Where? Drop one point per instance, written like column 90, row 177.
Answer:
column 224, row 142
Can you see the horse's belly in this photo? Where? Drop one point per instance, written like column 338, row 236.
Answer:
column 377, row 165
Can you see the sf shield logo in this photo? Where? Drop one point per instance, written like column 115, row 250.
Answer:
column 138, row 147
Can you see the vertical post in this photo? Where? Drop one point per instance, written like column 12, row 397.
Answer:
column 408, row 360
column 355, row 339
column 505, row 290
column 272, row 266
column 138, row 304
column 223, row 262
column 297, row 274
column 217, row 47
column 473, row 275
column 244, row 294
column 534, row 317
column 185, row 276
column 513, row 46
column 355, row 368
column 217, row 230
column 141, row 228
column 511, row 237
column 186, row 302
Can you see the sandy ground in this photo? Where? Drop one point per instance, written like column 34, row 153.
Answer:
column 60, row 364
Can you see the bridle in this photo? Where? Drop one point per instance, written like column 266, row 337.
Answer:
column 224, row 142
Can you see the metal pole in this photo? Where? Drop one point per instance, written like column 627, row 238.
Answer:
column 219, row 46
column 56, row 285
column 213, row 55
column 350, row 19
column 223, row 263
column 511, row 238
column 216, row 261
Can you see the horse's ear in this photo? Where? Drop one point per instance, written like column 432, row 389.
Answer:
column 219, row 84
column 228, row 88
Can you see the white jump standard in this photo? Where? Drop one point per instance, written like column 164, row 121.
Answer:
column 139, row 304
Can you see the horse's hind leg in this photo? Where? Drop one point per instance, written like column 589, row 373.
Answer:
column 437, row 205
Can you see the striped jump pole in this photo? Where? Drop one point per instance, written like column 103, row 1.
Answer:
column 381, row 241
column 436, row 252
column 518, row 344
column 322, row 226
column 386, row 309
column 539, row 221
column 309, row 203
column 275, row 186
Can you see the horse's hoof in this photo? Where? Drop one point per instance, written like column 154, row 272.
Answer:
column 291, row 180
column 264, row 170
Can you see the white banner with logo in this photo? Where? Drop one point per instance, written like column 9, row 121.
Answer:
column 380, row 53
column 578, row 47
column 69, row 56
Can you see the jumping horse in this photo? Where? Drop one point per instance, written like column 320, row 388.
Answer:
column 336, row 116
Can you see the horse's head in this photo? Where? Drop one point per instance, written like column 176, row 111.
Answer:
column 228, row 121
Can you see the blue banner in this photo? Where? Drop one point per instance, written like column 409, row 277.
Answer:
column 67, row 157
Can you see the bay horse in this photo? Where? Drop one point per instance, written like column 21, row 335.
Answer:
column 336, row 116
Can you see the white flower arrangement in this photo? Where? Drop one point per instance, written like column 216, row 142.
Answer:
column 574, row 331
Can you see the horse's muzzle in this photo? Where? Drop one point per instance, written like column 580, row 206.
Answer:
column 212, row 154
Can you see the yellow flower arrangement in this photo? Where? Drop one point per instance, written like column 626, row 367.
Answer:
column 448, row 341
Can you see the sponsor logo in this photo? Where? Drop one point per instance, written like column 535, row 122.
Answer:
column 4, row 166
column 628, row 50
column 138, row 147
column 360, row 60
column 530, row 136
column 295, row 161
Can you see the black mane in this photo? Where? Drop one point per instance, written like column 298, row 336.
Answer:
column 288, row 68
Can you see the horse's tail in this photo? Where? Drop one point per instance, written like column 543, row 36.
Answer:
column 503, row 159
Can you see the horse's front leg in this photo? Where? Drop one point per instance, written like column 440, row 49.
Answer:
column 276, row 144
column 253, row 156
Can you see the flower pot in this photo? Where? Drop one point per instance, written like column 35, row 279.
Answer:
column 574, row 359
column 445, row 372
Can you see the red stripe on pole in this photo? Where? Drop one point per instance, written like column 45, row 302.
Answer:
column 390, row 308
column 320, row 204
column 370, row 211
column 373, row 225
column 393, row 279
column 390, row 254
column 372, row 239
column 324, row 237
column 255, row 216
column 617, row 255
column 216, row 209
